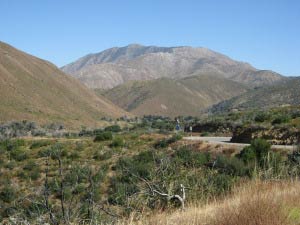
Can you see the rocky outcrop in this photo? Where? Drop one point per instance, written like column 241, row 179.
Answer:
column 213, row 127
column 275, row 135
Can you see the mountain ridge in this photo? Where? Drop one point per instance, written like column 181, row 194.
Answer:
column 282, row 94
column 118, row 65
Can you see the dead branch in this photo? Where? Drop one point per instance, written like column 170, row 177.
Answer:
column 169, row 197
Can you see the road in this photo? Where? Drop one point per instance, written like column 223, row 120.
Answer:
column 226, row 141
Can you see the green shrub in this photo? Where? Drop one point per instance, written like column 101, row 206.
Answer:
column 97, row 131
column 163, row 125
column 79, row 146
column 102, row 156
column 230, row 165
column 161, row 144
column 261, row 148
column 296, row 114
column 39, row 144
column 189, row 158
column 58, row 151
column 104, row 136
column 141, row 165
column 10, row 145
column 80, row 188
column 145, row 157
column 122, row 163
column 34, row 209
column 220, row 183
column 18, row 155
column 117, row 142
column 22, row 175
column 30, row 165
column 74, row 155
column 166, row 142
column 204, row 134
column 257, row 151
column 44, row 152
column 34, row 174
column 261, row 117
column 294, row 157
column 113, row 128
column 67, row 193
column 274, row 161
column 281, row 119
column 174, row 138
column 7, row 194
column 10, row 165
column 247, row 154
column 120, row 191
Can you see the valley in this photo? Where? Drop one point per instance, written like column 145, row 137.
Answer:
column 150, row 112
column 81, row 150
column 122, row 173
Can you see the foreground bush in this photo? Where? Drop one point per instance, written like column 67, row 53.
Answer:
column 231, row 166
column 258, row 150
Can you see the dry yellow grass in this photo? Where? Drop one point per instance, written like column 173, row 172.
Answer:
column 254, row 203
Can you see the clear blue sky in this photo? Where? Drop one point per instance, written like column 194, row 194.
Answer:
column 265, row 33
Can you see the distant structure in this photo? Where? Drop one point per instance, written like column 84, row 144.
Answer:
column 177, row 127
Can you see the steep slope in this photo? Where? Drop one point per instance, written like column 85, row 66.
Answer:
column 284, row 93
column 34, row 89
column 169, row 97
column 115, row 66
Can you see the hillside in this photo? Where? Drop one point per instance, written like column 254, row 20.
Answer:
column 115, row 66
column 34, row 89
column 169, row 97
column 284, row 93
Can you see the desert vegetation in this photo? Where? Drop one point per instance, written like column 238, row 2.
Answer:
column 128, row 175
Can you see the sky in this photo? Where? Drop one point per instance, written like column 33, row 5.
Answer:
column 265, row 33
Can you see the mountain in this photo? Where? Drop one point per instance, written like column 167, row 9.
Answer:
column 115, row 66
column 34, row 89
column 284, row 93
column 170, row 97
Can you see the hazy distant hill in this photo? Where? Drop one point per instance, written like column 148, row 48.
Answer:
column 115, row 66
column 34, row 89
column 284, row 93
column 165, row 96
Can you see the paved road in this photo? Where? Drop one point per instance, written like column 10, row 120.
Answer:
column 226, row 141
